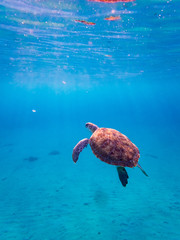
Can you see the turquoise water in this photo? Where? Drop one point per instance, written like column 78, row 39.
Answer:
column 56, row 75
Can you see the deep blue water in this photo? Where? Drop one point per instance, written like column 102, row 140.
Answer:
column 56, row 75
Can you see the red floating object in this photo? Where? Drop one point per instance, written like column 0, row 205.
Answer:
column 85, row 22
column 111, row 18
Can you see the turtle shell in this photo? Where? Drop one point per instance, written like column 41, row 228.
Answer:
column 114, row 148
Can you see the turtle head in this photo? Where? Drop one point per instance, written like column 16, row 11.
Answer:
column 92, row 127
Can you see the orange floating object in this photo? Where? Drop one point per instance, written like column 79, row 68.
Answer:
column 85, row 22
column 111, row 1
column 111, row 18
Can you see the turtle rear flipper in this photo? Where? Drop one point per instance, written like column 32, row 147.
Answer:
column 78, row 148
column 123, row 176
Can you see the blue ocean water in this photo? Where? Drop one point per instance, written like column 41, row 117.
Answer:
column 58, row 73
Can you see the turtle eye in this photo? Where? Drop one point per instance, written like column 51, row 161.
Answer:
column 87, row 125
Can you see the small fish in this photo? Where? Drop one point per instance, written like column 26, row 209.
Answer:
column 3, row 179
column 54, row 153
column 111, row 18
column 85, row 22
column 8, row 145
column 31, row 159
column 151, row 155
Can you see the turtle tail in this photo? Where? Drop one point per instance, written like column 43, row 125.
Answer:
column 139, row 166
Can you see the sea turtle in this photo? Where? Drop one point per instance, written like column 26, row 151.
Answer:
column 111, row 147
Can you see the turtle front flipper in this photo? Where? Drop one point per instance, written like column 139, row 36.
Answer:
column 123, row 176
column 78, row 148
